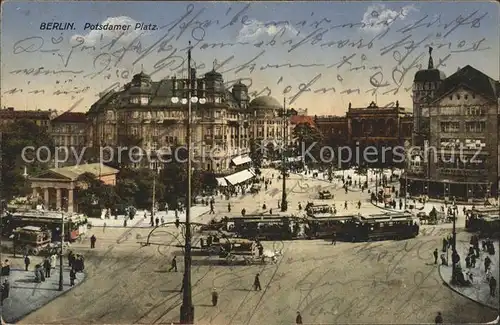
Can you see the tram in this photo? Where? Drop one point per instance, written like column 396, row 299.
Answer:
column 326, row 226
column 74, row 225
column 347, row 227
column 268, row 227
column 380, row 227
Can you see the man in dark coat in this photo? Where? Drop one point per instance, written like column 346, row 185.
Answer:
column 435, row 256
column 256, row 283
column 26, row 262
column 215, row 297
column 47, row 267
column 334, row 238
column 72, row 277
column 93, row 239
column 173, row 265
column 298, row 319
column 438, row 319
column 493, row 286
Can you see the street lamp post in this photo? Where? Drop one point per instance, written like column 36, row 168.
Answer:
column 187, row 307
column 285, row 115
column 61, row 287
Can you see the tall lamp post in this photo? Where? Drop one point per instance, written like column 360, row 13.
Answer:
column 285, row 115
column 61, row 287
column 187, row 307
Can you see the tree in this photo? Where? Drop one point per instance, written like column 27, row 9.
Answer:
column 256, row 153
column 16, row 137
column 308, row 136
column 93, row 195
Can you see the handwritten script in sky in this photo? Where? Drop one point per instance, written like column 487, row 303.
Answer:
column 314, row 61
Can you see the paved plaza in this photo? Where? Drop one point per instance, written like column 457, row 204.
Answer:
column 376, row 282
column 26, row 295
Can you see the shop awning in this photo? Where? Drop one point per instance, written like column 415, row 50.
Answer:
column 239, row 177
column 240, row 160
column 221, row 181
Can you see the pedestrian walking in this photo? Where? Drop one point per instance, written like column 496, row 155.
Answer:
column 177, row 222
column 26, row 262
column 93, row 239
column 229, row 207
column 435, row 256
column 72, row 277
column 157, row 221
column 215, row 297
column 256, row 283
column 345, row 205
column 487, row 263
column 493, row 286
column 173, row 265
column 334, row 239
column 439, row 318
column 298, row 319
column 212, row 211
column 47, row 267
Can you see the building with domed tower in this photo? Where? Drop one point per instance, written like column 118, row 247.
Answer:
column 143, row 114
column 267, row 124
column 454, row 152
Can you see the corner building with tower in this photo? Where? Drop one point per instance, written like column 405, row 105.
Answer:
column 454, row 149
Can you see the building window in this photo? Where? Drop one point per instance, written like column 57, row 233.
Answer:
column 475, row 126
column 450, row 126
column 144, row 100
column 134, row 100
column 466, row 97
column 458, row 96
column 474, row 111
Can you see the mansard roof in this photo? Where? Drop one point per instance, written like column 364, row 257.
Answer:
column 472, row 79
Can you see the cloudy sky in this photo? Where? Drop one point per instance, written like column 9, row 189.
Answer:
column 288, row 49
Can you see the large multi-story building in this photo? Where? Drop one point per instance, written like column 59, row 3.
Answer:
column 144, row 114
column 41, row 118
column 68, row 131
column 382, row 127
column 455, row 141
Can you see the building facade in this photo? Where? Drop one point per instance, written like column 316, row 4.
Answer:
column 68, row 132
column 455, row 140
column 379, row 127
column 41, row 118
column 144, row 115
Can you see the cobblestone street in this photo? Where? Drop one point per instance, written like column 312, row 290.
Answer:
column 377, row 282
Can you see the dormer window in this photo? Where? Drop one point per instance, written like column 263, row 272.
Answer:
column 144, row 100
column 458, row 96
column 466, row 97
column 134, row 100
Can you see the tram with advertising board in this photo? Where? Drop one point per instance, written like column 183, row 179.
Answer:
column 74, row 224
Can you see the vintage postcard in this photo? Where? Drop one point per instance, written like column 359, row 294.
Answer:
column 249, row 162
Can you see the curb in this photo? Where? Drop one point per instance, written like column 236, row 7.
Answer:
column 446, row 284
column 384, row 208
column 49, row 301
